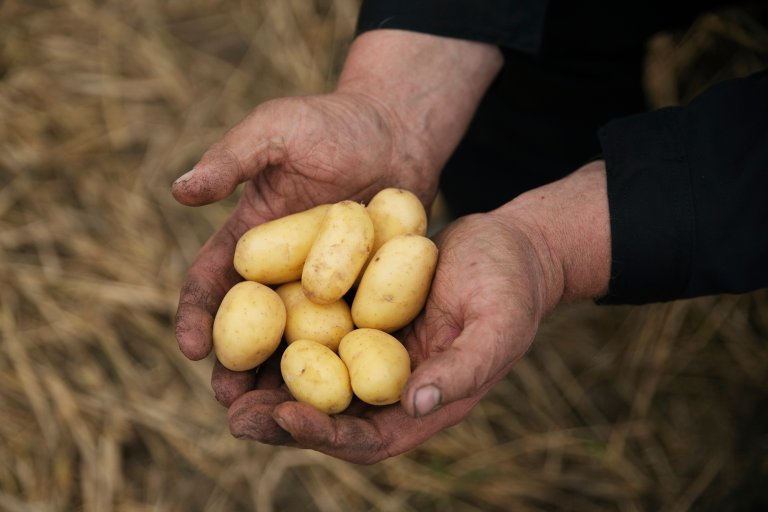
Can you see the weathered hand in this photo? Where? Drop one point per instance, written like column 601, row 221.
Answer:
column 487, row 298
column 292, row 153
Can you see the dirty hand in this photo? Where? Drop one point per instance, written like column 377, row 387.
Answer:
column 293, row 153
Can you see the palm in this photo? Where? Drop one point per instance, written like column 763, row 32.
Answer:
column 486, row 272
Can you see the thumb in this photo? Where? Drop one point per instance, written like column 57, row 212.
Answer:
column 478, row 358
column 245, row 151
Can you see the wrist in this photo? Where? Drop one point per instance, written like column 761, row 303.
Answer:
column 425, row 87
column 568, row 225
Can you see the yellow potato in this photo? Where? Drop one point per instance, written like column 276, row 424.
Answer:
column 395, row 211
column 248, row 326
column 378, row 364
column 338, row 253
column 316, row 376
column 395, row 285
column 274, row 252
column 323, row 323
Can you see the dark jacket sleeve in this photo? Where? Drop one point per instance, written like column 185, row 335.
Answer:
column 514, row 24
column 688, row 196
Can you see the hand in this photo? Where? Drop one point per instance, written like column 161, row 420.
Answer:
column 498, row 274
column 293, row 153
column 387, row 124
column 480, row 318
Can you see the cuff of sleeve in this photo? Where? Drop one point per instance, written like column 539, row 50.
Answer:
column 651, row 208
column 514, row 24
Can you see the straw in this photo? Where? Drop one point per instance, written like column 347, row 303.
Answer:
column 103, row 104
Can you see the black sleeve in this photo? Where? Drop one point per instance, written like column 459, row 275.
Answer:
column 688, row 196
column 514, row 24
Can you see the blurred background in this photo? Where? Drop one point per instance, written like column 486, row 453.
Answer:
column 103, row 103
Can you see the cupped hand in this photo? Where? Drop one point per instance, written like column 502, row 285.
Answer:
column 291, row 153
column 488, row 296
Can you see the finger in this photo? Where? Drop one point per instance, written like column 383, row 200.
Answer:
column 270, row 376
column 384, row 432
column 482, row 353
column 228, row 385
column 246, row 150
column 208, row 279
column 345, row 437
column 250, row 417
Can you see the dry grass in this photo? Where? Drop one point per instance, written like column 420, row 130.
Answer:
column 103, row 103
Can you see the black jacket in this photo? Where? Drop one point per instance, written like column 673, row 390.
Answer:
column 687, row 186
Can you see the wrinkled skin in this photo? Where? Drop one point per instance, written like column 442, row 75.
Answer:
column 292, row 154
column 480, row 318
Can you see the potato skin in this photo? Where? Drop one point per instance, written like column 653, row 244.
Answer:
column 315, row 375
column 248, row 326
column 274, row 252
column 379, row 365
column 339, row 252
column 323, row 323
column 396, row 283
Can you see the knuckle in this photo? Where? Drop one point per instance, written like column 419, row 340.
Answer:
column 196, row 292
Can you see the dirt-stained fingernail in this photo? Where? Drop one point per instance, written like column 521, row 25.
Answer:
column 426, row 399
column 280, row 422
column 184, row 177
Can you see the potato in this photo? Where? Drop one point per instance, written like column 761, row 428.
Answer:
column 316, row 376
column 338, row 253
column 395, row 211
column 274, row 252
column 378, row 364
column 323, row 323
column 395, row 285
column 248, row 326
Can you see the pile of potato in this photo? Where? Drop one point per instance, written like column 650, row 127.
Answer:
column 377, row 256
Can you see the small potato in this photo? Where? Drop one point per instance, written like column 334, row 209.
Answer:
column 378, row 364
column 395, row 285
column 323, row 323
column 395, row 211
column 339, row 252
column 316, row 376
column 248, row 326
column 274, row 252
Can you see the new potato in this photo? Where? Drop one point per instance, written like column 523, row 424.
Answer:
column 396, row 283
column 395, row 211
column 274, row 252
column 340, row 250
column 315, row 375
column 323, row 323
column 378, row 365
column 248, row 326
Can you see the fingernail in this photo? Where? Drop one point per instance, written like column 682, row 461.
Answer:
column 184, row 177
column 280, row 422
column 426, row 399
